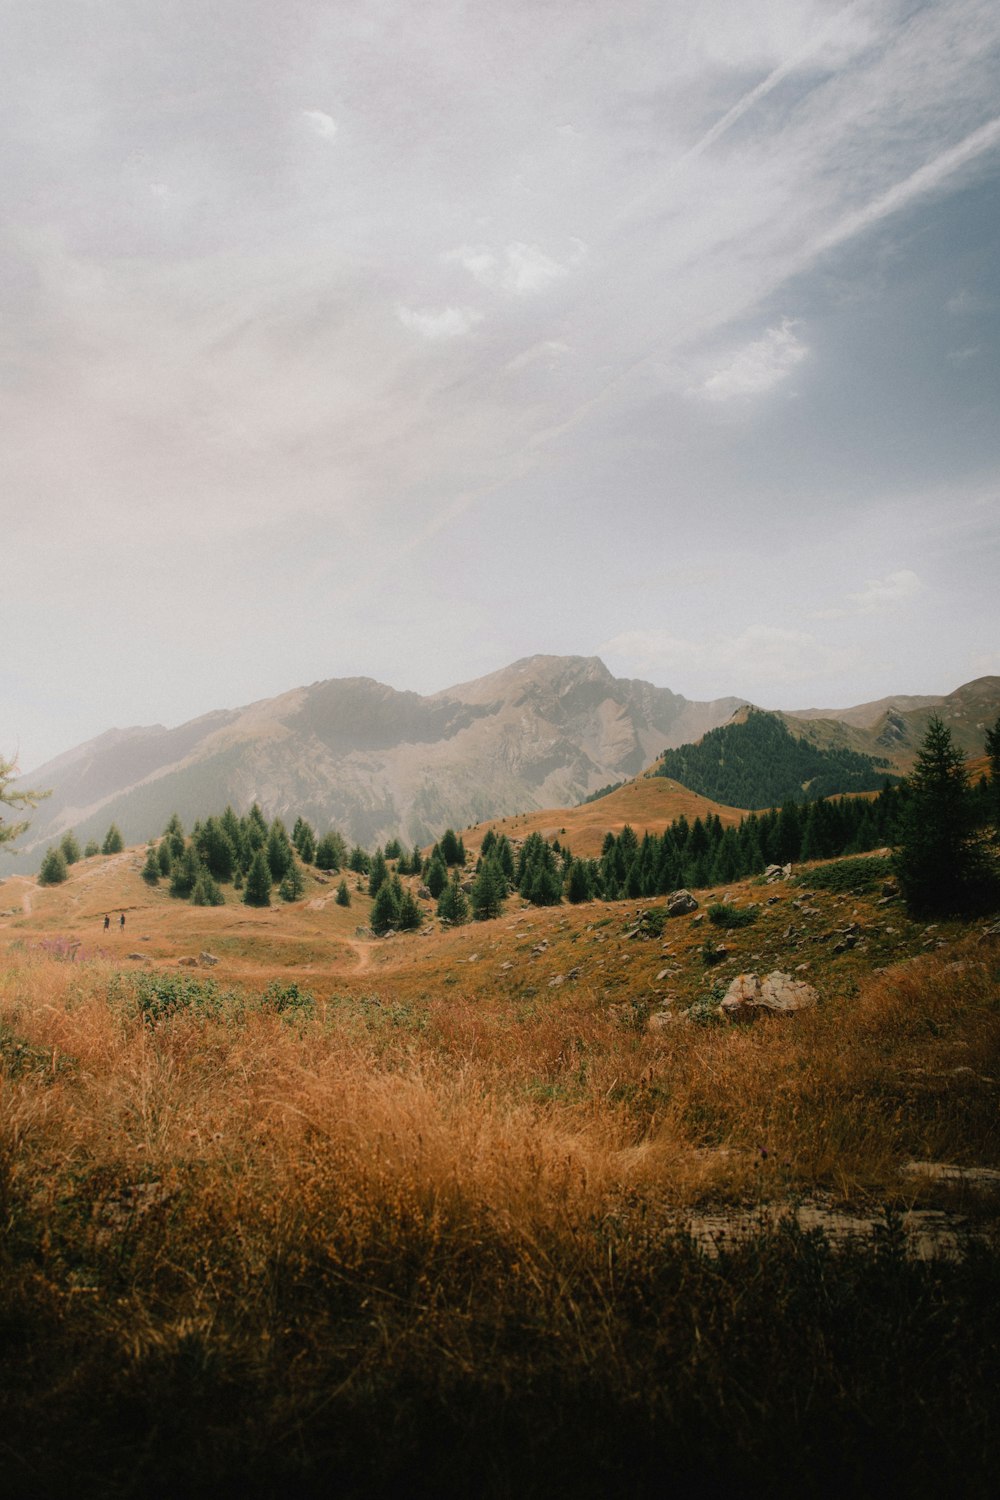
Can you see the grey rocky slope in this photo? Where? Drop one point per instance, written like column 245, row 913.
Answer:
column 375, row 762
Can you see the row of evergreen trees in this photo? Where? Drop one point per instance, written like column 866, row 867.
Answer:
column 59, row 857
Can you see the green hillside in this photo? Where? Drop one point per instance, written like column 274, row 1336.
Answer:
column 757, row 763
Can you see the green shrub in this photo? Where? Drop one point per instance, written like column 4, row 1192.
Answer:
column 850, row 874
column 285, row 998
column 724, row 915
column 156, row 997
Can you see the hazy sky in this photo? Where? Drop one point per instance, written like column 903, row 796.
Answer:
column 403, row 340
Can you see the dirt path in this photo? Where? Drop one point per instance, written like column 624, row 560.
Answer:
column 364, row 952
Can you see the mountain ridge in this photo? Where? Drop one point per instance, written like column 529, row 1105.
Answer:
column 380, row 762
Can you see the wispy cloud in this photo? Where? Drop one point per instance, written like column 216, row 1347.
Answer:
column 443, row 323
column 758, row 367
column 320, row 123
column 520, row 268
column 879, row 596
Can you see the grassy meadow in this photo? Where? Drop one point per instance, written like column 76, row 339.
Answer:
column 503, row 1210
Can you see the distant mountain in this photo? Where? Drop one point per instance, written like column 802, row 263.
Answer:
column 895, row 727
column 375, row 762
column 760, row 758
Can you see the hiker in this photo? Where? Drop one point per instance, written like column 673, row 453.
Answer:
column 121, row 921
column 107, row 921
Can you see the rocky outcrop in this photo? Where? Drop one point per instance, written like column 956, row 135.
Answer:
column 777, row 994
column 680, row 904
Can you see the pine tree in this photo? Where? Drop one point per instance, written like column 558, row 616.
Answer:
column 215, row 849
column 151, row 869
column 10, row 831
column 292, row 884
column 410, row 915
column 279, row 850
column 53, row 870
column 378, row 873
column 113, row 841
column 91, row 848
column 993, row 751
column 488, row 891
column 437, row 876
column 939, row 860
column 385, row 911
column 174, row 835
column 206, row 892
column 452, row 904
column 579, row 886
column 343, row 894
column 70, row 847
column 184, row 872
column 452, row 848
column 163, row 858
column 331, row 851
column 257, row 891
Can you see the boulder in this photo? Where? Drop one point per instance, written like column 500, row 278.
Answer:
column 777, row 872
column 778, row 994
column 680, row 903
column 208, row 959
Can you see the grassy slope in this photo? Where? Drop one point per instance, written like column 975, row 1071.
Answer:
column 651, row 803
column 432, row 1228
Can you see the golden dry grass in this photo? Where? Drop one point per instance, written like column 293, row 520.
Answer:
column 463, row 1168
column 649, row 803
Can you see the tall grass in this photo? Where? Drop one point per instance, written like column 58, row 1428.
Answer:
column 320, row 1245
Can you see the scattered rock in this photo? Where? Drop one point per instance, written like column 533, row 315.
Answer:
column 680, row 903
column 556, row 981
column 774, row 873
column 779, row 994
column 208, row 959
column 508, row 965
column 142, row 958
column 188, row 962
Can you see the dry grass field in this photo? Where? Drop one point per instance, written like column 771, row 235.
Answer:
column 503, row 1210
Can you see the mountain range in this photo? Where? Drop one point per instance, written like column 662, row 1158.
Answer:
column 377, row 763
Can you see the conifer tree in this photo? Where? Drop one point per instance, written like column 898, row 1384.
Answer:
column 257, row 891
column 70, row 847
column 53, row 870
column 151, row 869
column 206, row 892
column 993, row 752
column 939, row 860
column 488, row 891
column 184, row 872
column 385, row 911
column 331, row 851
column 292, row 883
column 378, row 873
column 279, row 850
column 174, row 835
column 343, row 894
column 8, row 798
column 410, row 916
column 452, row 904
column 436, row 877
column 113, row 841
column 163, row 858
column 90, row 848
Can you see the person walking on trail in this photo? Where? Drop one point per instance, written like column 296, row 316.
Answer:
column 107, row 921
column 121, row 921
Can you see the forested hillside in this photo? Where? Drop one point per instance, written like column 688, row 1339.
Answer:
column 757, row 762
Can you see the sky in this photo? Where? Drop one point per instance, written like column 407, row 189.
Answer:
column 404, row 341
